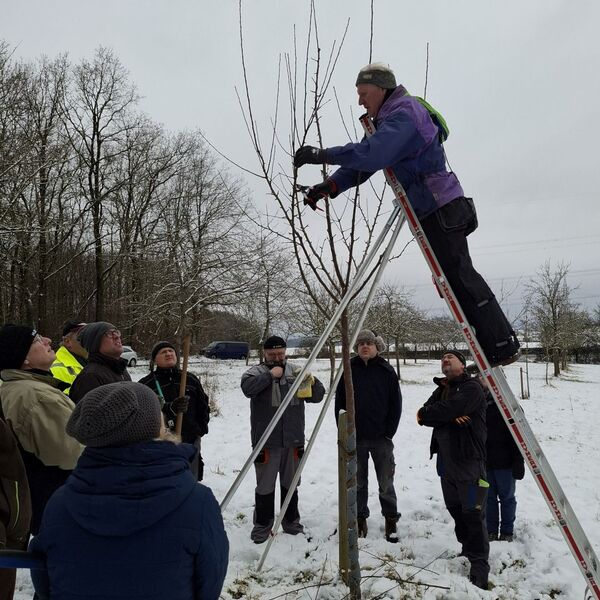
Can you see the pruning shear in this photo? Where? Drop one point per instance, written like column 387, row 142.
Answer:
column 304, row 189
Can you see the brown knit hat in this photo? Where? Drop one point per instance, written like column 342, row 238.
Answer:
column 116, row 414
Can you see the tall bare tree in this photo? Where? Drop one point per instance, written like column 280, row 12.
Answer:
column 97, row 109
column 396, row 318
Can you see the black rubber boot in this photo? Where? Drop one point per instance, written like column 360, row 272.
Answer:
column 390, row 530
column 291, row 514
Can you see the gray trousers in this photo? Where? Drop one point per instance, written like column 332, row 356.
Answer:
column 382, row 453
column 271, row 463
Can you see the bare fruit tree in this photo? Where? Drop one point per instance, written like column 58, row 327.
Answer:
column 328, row 244
column 553, row 313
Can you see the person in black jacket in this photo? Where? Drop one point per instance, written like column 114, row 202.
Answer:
column 505, row 465
column 378, row 405
column 164, row 381
column 103, row 343
column 456, row 411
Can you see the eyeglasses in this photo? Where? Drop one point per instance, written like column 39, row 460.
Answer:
column 113, row 333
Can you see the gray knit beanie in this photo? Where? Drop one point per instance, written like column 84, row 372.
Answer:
column 90, row 336
column 116, row 414
column 377, row 74
column 366, row 335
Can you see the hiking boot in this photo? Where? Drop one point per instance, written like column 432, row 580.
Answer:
column 502, row 362
column 493, row 537
column 506, row 354
column 362, row 527
column 391, row 534
column 505, row 537
column 480, row 582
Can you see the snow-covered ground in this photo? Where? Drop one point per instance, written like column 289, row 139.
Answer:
column 537, row 565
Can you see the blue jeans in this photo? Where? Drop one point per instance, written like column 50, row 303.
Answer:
column 502, row 490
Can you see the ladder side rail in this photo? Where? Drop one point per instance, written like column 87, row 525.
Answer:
column 548, row 483
column 544, row 476
column 331, row 392
column 353, row 286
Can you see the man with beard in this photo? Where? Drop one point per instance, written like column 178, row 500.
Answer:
column 456, row 410
column 267, row 385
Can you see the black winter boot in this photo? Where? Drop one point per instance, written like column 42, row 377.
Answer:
column 291, row 520
column 391, row 534
column 264, row 515
column 362, row 527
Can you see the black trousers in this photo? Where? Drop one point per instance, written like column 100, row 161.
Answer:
column 446, row 230
column 466, row 502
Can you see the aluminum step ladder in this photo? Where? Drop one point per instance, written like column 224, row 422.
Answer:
column 512, row 412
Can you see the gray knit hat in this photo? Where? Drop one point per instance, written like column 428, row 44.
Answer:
column 116, row 414
column 90, row 336
column 377, row 74
column 366, row 335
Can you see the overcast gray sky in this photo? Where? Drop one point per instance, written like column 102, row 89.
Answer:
column 518, row 82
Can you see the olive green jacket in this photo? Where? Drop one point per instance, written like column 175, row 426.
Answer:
column 38, row 413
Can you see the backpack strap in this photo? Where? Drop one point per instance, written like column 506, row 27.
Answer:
column 437, row 118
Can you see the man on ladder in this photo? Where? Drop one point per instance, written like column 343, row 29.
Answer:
column 408, row 138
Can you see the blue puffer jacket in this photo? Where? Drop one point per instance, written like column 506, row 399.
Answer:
column 407, row 140
column 132, row 522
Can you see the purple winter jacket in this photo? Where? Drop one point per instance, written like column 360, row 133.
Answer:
column 407, row 140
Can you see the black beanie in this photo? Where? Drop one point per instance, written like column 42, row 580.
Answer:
column 15, row 341
column 458, row 355
column 90, row 336
column 71, row 325
column 274, row 342
column 159, row 346
column 116, row 414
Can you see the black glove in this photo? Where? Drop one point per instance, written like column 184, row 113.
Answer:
column 179, row 405
column 518, row 468
column 309, row 155
column 318, row 192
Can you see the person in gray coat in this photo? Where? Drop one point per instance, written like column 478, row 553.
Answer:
column 267, row 385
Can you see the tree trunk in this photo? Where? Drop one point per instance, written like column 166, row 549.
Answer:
column 354, row 575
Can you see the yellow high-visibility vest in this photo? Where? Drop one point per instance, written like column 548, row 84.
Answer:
column 66, row 367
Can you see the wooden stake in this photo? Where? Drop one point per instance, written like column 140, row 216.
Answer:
column 186, row 354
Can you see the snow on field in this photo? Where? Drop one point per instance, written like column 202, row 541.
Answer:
column 537, row 565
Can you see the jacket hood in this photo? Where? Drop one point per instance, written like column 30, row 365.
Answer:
column 115, row 492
